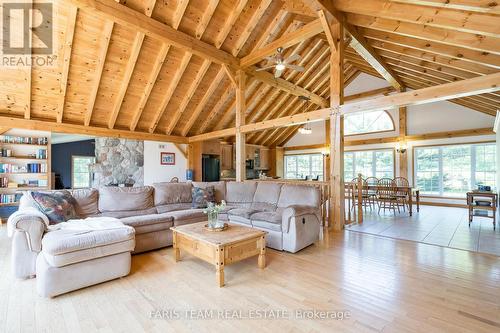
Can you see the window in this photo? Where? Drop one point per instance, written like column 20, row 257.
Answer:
column 302, row 166
column 369, row 163
column 80, row 173
column 453, row 170
column 367, row 122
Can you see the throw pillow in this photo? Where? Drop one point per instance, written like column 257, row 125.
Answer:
column 59, row 206
column 202, row 196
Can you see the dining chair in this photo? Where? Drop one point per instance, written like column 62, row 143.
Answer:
column 386, row 195
column 402, row 195
column 366, row 200
column 174, row 180
column 372, row 181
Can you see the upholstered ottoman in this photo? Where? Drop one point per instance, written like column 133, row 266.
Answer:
column 72, row 259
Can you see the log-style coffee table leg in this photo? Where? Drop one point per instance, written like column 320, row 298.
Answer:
column 219, row 265
column 262, row 254
column 177, row 253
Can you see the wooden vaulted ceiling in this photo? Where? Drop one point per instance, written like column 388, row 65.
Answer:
column 111, row 76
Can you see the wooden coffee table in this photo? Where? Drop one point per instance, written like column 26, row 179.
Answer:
column 220, row 248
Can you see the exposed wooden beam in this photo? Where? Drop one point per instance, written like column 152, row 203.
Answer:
column 298, row 7
column 470, row 87
column 205, row 19
column 127, row 75
column 86, row 130
column 240, row 121
column 206, row 97
column 170, row 91
column 250, row 26
column 231, row 75
column 182, row 150
column 307, row 31
column 188, row 95
column 374, row 92
column 101, row 59
column 230, row 22
column 157, row 65
column 479, row 6
column 289, row 87
column 4, row 129
column 468, row 22
column 137, row 21
column 228, row 92
column 427, row 33
column 359, row 44
column 67, row 47
column 213, row 135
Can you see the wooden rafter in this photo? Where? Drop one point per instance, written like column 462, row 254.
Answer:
column 188, row 95
column 101, row 59
column 67, row 47
column 157, row 65
column 228, row 92
column 130, row 18
column 87, row 130
column 479, row 6
column 444, row 18
column 206, row 97
column 307, row 31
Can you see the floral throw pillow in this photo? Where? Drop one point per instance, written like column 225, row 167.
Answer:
column 202, row 196
column 59, row 206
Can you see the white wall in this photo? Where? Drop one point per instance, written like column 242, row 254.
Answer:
column 364, row 82
column 317, row 135
column 154, row 171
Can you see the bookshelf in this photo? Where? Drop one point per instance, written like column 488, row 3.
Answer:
column 24, row 165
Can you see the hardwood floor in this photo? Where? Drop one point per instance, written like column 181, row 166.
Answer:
column 443, row 226
column 386, row 285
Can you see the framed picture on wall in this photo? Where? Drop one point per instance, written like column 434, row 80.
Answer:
column 167, row 158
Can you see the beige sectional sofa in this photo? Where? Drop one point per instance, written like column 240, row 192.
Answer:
column 64, row 261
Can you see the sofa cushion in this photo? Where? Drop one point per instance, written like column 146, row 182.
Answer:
column 127, row 213
column 240, row 220
column 188, row 216
column 149, row 223
column 65, row 247
column 172, row 207
column 267, row 220
column 219, row 189
column 86, row 201
column 242, row 212
column 58, row 206
column 299, row 195
column 113, row 199
column 172, row 193
column 240, row 194
column 202, row 196
column 266, row 196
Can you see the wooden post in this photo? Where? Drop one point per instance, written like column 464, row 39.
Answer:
column 403, row 157
column 360, row 199
column 240, row 121
column 337, row 191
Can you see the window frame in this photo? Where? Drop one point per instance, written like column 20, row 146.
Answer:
column 440, row 146
column 322, row 176
column 374, row 161
column 377, row 132
column 73, row 171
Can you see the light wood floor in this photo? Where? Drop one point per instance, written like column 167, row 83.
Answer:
column 443, row 226
column 387, row 286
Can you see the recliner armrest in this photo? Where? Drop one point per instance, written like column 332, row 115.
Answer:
column 297, row 211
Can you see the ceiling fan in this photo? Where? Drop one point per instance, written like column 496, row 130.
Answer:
column 280, row 63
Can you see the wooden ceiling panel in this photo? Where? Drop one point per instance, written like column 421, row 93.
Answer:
column 113, row 73
column 84, row 62
column 13, row 98
column 136, row 87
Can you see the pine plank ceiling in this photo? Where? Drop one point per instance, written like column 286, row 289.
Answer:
column 114, row 77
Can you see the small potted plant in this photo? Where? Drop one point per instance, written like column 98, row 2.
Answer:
column 212, row 212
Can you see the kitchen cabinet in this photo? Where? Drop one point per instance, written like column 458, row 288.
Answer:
column 226, row 157
column 264, row 158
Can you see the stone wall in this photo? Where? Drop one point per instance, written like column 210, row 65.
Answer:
column 118, row 161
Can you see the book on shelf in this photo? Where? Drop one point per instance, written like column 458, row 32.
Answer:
column 23, row 140
column 39, row 154
column 10, row 198
column 28, row 168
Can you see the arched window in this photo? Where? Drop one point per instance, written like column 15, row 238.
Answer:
column 367, row 122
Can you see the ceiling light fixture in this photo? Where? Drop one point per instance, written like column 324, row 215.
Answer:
column 280, row 66
column 305, row 130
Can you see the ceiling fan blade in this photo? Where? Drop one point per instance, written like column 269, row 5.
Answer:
column 264, row 68
column 270, row 58
column 295, row 67
column 278, row 73
column 292, row 58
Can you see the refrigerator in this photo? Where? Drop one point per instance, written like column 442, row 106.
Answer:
column 210, row 168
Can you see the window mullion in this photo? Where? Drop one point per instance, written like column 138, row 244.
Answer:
column 441, row 172
column 472, row 167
